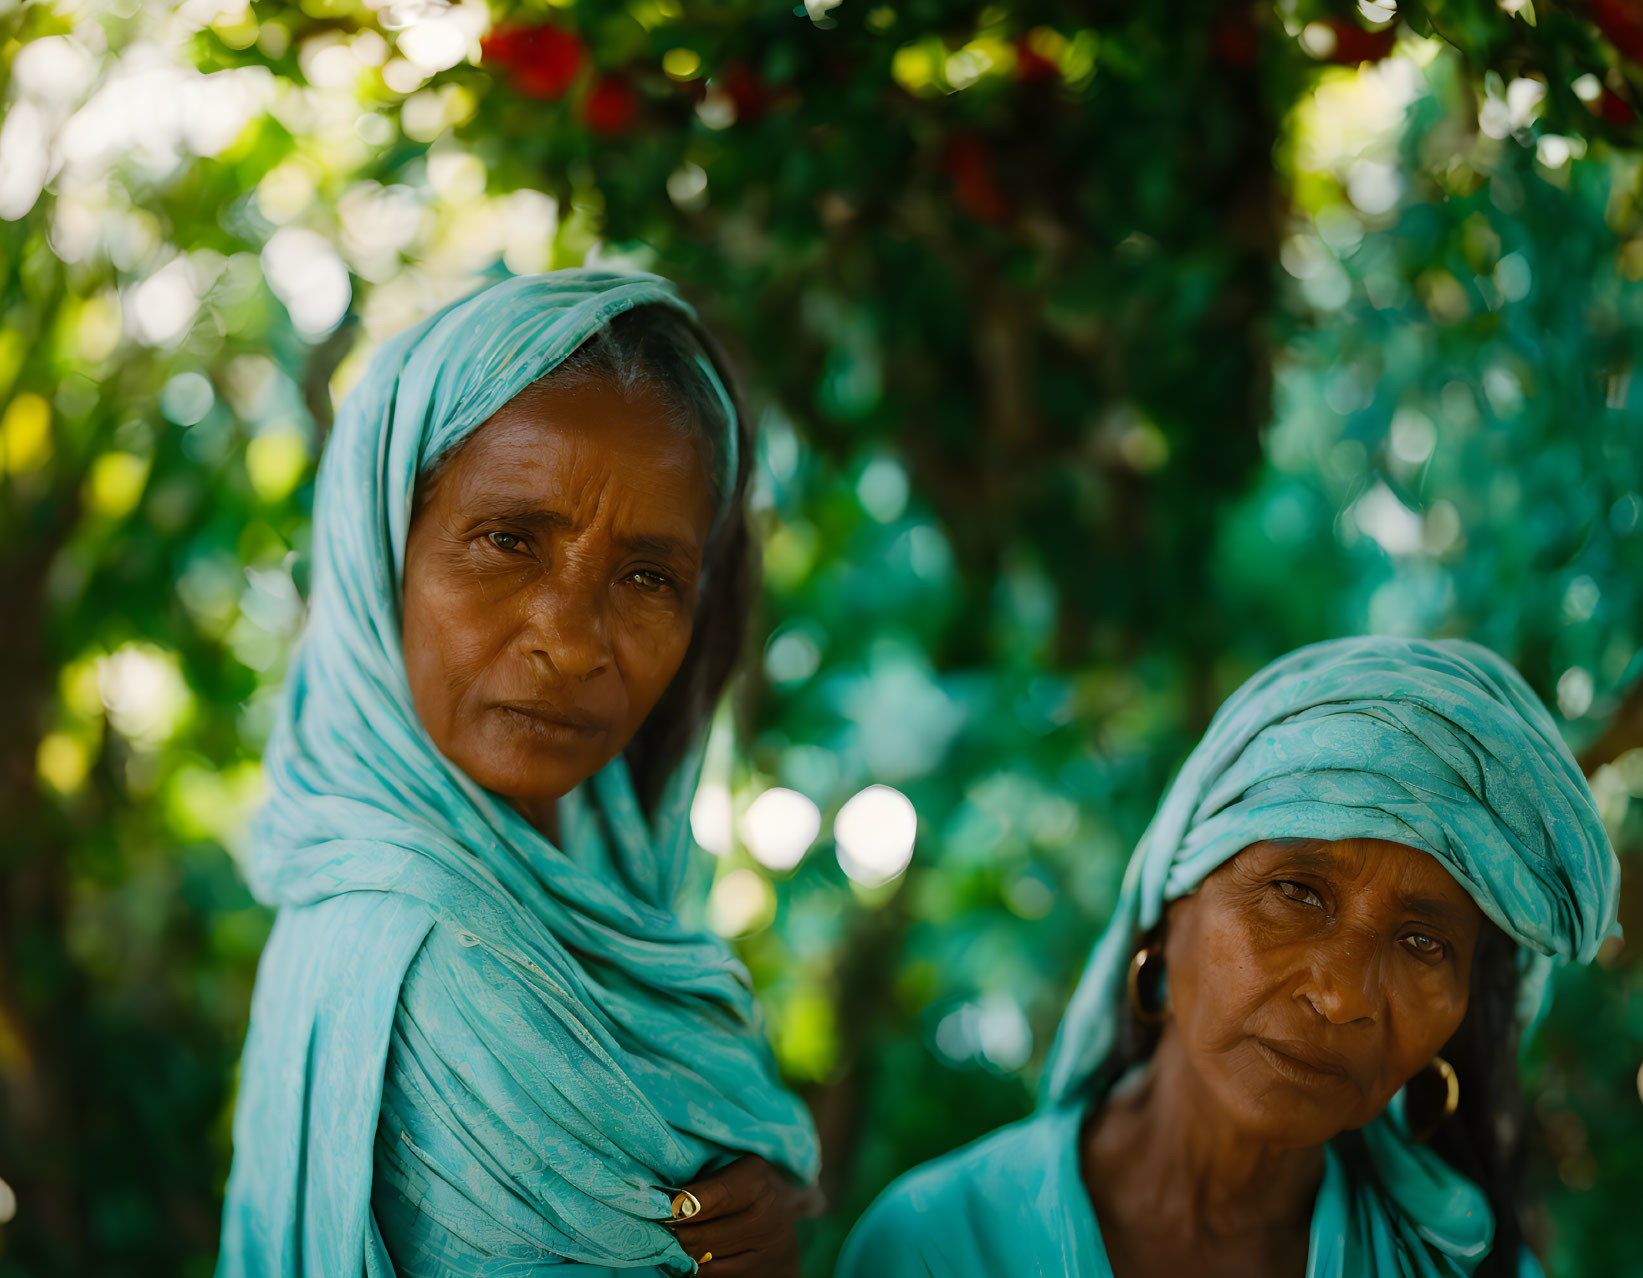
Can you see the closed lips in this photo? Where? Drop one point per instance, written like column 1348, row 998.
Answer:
column 547, row 713
column 1305, row 1055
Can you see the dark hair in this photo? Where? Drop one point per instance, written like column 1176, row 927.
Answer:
column 656, row 350
column 1482, row 1139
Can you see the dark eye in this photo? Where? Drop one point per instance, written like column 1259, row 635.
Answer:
column 505, row 541
column 1299, row 893
column 650, row 582
column 1424, row 947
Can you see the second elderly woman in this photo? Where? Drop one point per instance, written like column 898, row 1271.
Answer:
column 1293, row 1050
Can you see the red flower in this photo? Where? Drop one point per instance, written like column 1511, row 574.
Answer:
column 1233, row 38
column 1622, row 22
column 611, row 106
column 966, row 161
column 1031, row 66
column 542, row 60
column 1615, row 109
column 750, row 94
column 1354, row 45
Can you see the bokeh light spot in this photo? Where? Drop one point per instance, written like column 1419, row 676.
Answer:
column 116, row 483
column 306, row 274
column 63, row 761
column 187, row 398
column 25, row 434
column 779, row 826
column 741, row 902
column 275, row 463
column 682, row 64
column 875, row 831
column 712, row 819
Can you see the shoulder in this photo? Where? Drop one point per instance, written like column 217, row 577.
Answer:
column 491, row 982
column 944, row 1216
column 348, row 933
column 336, row 963
column 909, row 1231
column 498, row 1024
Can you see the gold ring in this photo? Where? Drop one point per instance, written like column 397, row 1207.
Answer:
column 685, row 1205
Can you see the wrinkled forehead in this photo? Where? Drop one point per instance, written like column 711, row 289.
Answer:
column 487, row 351
column 592, row 457
column 1379, row 867
column 433, row 386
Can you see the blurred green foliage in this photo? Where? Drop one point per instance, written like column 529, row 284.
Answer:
column 1103, row 352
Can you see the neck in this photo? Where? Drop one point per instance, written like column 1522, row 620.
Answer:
column 543, row 815
column 1166, row 1150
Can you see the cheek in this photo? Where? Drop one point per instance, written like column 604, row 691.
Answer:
column 1425, row 1014
column 1216, row 977
column 652, row 647
column 446, row 646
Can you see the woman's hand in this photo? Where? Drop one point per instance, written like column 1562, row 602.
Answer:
column 745, row 1227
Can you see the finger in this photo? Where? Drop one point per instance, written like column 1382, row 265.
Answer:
column 733, row 1235
column 732, row 1187
column 778, row 1263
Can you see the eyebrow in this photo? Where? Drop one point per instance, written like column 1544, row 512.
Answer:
column 522, row 511
column 1427, row 907
column 661, row 547
column 526, row 511
column 1314, row 858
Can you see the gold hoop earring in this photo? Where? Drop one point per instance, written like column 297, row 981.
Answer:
column 1451, row 1097
column 1451, row 1083
column 1146, row 1015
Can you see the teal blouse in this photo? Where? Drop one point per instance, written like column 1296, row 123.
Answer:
column 1014, row 1205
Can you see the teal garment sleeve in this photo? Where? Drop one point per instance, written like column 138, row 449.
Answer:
column 486, row 1162
column 1010, row 1205
column 320, row 1019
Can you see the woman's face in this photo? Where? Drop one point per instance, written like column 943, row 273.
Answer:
column 550, row 583
column 1308, row 982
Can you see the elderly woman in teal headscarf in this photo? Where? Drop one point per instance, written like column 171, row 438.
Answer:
column 1293, row 1051
column 483, row 1041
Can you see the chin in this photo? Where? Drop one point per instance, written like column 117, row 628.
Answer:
column 1282, row 1114
column 534, row 775
column 1304, row 1128
column 538, row 781
column 536, row 762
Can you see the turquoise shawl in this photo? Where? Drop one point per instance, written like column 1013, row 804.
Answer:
column 370, row 838
column 1438, row 745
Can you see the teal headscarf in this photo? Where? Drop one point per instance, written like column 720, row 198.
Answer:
column 371, row 838
column 1435, row 744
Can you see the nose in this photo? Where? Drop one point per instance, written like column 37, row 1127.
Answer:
column 1344, row 981
column 567, row 631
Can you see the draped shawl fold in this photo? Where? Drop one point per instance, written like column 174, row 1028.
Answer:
column 1435, row 744
column 371, row 839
